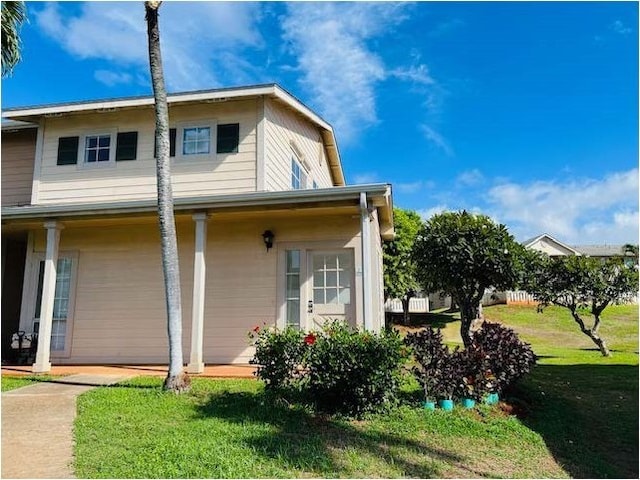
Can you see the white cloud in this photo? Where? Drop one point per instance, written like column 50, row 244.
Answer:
column 110, row 78
column 338, row 68
column 191, row 46
column 470, row 177
column 578, row 211
column 365, row 177
column 411, row 187
column 427, row 213
column 620, row 28
column 437, row 139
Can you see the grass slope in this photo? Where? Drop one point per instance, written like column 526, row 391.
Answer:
column 578, row 417
column 11, row 382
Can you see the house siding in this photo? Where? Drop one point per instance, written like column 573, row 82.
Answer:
column 284, row 127
column 136, row 179
column 119, row 312
column 18, row 153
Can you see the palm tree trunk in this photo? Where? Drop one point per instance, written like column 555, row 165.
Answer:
column 177, row 380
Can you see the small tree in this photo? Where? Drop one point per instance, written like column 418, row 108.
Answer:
column 464, row 254
column 578, row 283
column 14, row 14
column 399, row 266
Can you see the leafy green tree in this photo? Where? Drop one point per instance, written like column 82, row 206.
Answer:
column 581, row 283
column 631, row 250
column 399, row 266
column 463, row 254
column 177, row 380
column 14, row 14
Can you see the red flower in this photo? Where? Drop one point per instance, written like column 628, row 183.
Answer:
column 310, row 339
column 256, row 329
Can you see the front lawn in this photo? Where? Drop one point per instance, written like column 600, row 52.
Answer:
column 12, row 382
column 225, row 429
column 577, row 415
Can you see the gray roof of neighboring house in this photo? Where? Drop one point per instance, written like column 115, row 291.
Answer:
column 599, row 250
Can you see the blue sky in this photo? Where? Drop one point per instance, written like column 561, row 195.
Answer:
column 527, row 112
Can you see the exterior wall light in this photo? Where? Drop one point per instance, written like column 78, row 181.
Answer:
column 268, row 237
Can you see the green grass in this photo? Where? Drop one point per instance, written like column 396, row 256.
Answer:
column 577, row 416
column 13, row 382
column 224, row 428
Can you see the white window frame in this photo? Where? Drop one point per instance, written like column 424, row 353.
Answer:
column 27, row 315
column 82, row 146
column 303, row 178
column 213, row 138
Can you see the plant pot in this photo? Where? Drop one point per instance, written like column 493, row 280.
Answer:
column 446, row 405
column 429, row 405
column 491, row 399
column 468, row 403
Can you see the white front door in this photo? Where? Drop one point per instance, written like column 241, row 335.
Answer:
column 331, row 287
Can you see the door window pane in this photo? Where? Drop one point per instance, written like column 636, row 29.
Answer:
column 60, row 302
column 292, row 293
column 332, row 278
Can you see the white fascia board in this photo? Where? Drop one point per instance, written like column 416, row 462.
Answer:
column 187, row 203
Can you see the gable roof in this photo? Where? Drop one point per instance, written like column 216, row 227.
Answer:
column 272, row 90
column 528, row 243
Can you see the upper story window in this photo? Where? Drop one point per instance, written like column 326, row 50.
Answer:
column 196, row 141
column 298, row 175
column 97, row 148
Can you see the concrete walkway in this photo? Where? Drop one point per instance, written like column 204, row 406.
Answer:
column 210, row 371
column 37, row 425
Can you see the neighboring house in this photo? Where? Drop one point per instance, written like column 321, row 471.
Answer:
column 268, row 232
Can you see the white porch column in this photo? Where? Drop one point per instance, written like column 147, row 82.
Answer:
column 366, row 262
column 48, row 294
column 196, row 365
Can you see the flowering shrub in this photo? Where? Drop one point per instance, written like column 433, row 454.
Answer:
column 336, row 370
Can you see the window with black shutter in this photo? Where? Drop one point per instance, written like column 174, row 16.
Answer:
column 228, row 138
column 68, row 150
column 127, row 146
column 172, row 144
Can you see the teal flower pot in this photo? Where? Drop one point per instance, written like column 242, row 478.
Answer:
column 468, row 403
column 429, row 405
column 446, row 405
column 491, row 399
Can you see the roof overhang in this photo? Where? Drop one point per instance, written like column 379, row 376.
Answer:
column 34, row 114
column 378, row 196
column 530, row 242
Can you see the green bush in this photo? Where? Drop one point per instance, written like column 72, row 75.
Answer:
column 337, row 370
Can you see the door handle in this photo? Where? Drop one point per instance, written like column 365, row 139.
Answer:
column 310, row 306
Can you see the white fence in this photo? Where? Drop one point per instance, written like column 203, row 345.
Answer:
column 416, row 305
column 519, row 296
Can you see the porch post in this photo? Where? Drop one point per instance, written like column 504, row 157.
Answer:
column 43, row 364
column 196, row 365
column 366, row 262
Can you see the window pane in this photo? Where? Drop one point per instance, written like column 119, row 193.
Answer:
column 318, row 295
column 345, row 296
column 103, row 155
column 345, row 278
column 104, row 141
column 293, row 261
column 92, row 142
column 332, row 295
column 189, row 148
column 318, row 262
column 344, row 260
column 203, row 134
column 303, row 180
column 332, row 279
column 293, row 286
column 190, row 135
column 91, row 155
column 293, row 312
column 318, row 279
column 203, row 147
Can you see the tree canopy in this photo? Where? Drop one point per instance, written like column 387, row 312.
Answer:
column 463, row 254
column 578, row 283
column 14, row 14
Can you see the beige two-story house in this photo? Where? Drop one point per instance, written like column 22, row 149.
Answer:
column 268, row 232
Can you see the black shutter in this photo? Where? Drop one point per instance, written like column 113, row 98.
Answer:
column 68, row 150
column 228, row 138
column 172, row 144
column 127, row 146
